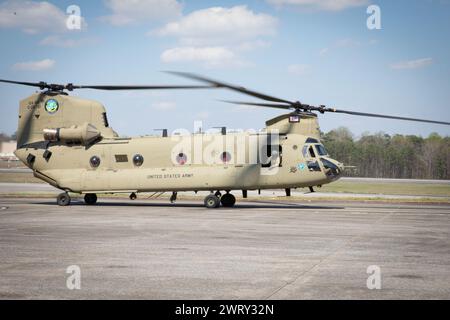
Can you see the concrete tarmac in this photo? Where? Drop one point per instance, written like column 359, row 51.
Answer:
column 257, row 250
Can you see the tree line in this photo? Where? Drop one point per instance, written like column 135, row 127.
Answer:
column 5, row 137
column 383, row 156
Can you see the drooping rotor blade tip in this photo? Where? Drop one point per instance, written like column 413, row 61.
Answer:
column 232, row 87
column 375, row 115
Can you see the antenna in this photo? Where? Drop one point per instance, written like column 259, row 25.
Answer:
column 223, row 130
column 164, row 132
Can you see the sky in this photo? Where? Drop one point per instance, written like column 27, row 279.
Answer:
column 313, row 51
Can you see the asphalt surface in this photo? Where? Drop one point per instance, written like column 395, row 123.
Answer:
column 263, row 250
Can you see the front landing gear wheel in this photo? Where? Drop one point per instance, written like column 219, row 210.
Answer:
column 90, row 198
column 211, row 201
column 228, row 200
column 63, row 199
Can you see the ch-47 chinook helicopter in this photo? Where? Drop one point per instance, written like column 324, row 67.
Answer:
column 68, row 143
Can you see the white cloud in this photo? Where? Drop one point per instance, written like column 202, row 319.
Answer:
column 215, row 36
column 164, row 105
column 299, row 69
column 252, row 45
column 412, row 64
column 220, row 25
column 34, row 17
column 31, row 16
column 35, row 65
column 126, row 12
column 329, row 5
column 211, row 56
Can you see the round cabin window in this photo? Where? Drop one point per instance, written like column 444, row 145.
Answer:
column 94, row 161
column 138, row 160
column 225, row 157
column 181, row 158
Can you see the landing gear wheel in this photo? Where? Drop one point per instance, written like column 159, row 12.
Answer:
column 63, row 199
column 211, row 201
column 228, row 200
column 133, row 196
column 90, row 198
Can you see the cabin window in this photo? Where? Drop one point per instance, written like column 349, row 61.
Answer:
column 30, row 159
column 121, row 158
column 94, row 161
column 280, row 156
column 181, row 158
column 138, row 160
column 265, row 162
column 225, row 157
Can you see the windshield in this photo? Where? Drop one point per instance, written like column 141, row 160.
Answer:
column 321, row 150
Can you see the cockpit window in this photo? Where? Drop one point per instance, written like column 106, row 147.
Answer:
column 311, row 140
column 312, row 154
column 321, row 150
column 305, row 151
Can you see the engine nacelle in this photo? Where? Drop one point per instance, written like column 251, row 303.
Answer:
column 83, row 134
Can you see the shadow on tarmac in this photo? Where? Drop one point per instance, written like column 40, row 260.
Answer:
column 247, row 205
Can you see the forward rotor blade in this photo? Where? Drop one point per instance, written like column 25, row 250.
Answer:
column 259, row 104
column 30, row 84
column 230, row 86
column 137, row 87
column 70, row 86
column 385, row 116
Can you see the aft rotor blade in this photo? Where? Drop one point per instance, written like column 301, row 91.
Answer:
column 230, row 86
column 385, row 116
column 259, row 104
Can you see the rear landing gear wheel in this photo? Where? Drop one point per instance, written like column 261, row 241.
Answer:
column 211, row 201
column 228, row 200
column 133, row 196
column 90, row 198
column 63, row 199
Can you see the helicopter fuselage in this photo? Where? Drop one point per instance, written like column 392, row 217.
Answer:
column 70, row 167
column 68, row 143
